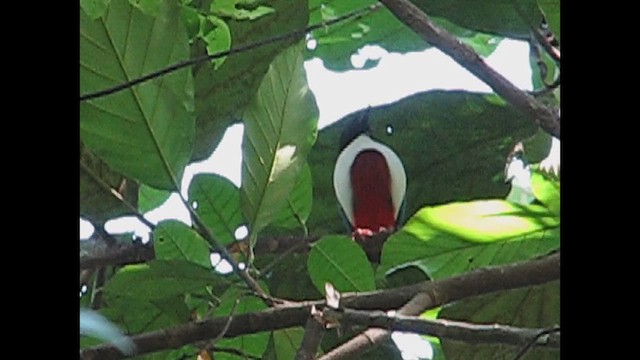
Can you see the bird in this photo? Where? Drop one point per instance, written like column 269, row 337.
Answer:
column 369, row 180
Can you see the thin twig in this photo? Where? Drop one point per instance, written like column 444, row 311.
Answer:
column 417, row 20
column 548, row 48
column 190, row 62
column 224, row 254
column 535, row 341
column 96, row 291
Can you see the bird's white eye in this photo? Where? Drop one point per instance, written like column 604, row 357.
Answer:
column 389, row 130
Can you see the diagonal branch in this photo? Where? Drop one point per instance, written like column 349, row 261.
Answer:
column 417, row 20
column 425, row 295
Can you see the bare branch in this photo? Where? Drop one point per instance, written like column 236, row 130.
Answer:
column 454, row 330
column 429, row 294
column 119, row 254
column 313, row 334
column 452, row 289
column 464, row 55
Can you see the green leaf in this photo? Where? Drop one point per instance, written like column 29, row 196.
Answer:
column 173, row 240
column 222, row 94
column 340, row 261
column 150, row 198
column 450, row 239
column 218, row 39
column 94, row 8
column 217, row 202
column 97, row 181
column 453, row 145
column 136, row 315
column 253, row 344
column 551, row 10
column 546, row 189
column 298, row 207
column 532, row 307
column 145, row 132
column 160, row 279
column 287, row 342
column 280, row 127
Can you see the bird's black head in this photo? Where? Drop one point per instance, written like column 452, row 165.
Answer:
column 358, row 125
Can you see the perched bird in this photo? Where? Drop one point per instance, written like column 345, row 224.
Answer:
column 369, row 180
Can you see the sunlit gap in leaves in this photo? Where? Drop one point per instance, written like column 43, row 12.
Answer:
column 83, row 289
column 86, row 229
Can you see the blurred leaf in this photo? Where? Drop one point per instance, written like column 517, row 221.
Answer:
column 340, row 261
column 223, row 93
column 546, row 189
column 150, row 198
column 159, row 279
column 145, row 132
column 453, row 145
column 280, row 127
column 97, row 203
column 217, row 202
column 298, row 207
column 94, row 8
column 253, row 344
column 95, row 325
column 537, row 147
column 532, row 307
column 450, row 239
column 174, row 240
column 287, row 342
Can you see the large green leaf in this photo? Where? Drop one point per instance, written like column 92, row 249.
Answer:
column 449, row 239
column 160, row 279
column 280, row 127
column 222, row 94
column 252, row 344
column 136, row 315
column 298, row 207
column 217, row 203
column 340, row 261
column 145, row 132
column 98, row 182
column 453, row 145
column 532, row 307
column 174, row 240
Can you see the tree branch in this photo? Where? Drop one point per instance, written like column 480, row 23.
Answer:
column 454, row 330
column 417, row 20
column 453, row 289
column 429, row 294
column 120, row 254
column 313, row 334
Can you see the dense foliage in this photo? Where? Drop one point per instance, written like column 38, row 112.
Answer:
column 135, row 144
